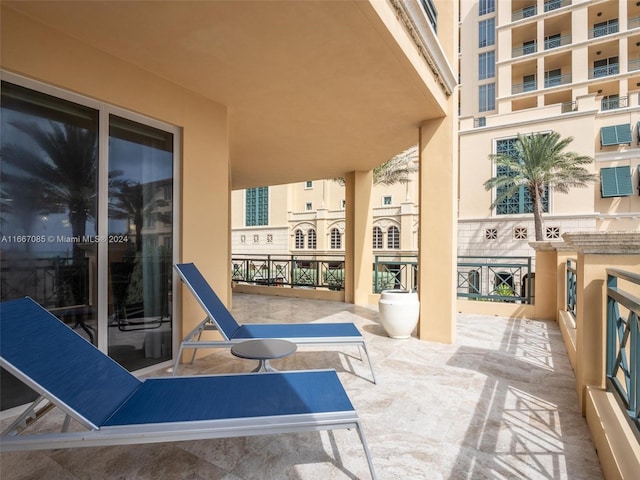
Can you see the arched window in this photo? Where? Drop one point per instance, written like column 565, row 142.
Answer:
column 299, row 239
column 336, row 240
column 393, row 238
column 311, row 239
column 377, row 237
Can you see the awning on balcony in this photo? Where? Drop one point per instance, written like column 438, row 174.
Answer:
column 615, row 135
column 615, row 182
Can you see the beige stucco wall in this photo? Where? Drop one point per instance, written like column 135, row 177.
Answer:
column 476, row 166
column 40, row 53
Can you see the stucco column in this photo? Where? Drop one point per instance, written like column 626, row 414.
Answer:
column 546, row 281
column 597, row 251
column 358, row 237
column 437, row 237
column 563, row 253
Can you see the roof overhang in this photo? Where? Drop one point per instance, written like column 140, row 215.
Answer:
column 313, row 89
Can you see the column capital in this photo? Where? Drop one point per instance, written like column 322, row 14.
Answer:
column 604, row 243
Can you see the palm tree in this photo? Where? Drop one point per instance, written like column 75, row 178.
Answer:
column 397, row 169
column 539, row 161
column 127, row 201
column 62, row 170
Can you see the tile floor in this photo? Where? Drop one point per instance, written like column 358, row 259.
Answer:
column 499, row 403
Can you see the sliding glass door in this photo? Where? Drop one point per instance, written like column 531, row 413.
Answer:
column 86, row 221
column 141, row 242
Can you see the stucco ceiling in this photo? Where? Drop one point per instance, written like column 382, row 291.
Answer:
column 316, row 88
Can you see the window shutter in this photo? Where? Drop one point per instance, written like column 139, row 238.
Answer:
column 616, row 182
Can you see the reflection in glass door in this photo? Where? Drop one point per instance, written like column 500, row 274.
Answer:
column 140, row 243
column 48, row 185
column 86, row 222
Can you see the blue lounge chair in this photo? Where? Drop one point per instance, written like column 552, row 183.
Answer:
column 219, row 318
column 118, row 409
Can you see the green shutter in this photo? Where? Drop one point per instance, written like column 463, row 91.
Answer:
column 616, row 182
column 624, row 133
column 615, row 135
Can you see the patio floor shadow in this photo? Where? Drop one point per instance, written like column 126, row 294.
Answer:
column 499, row 403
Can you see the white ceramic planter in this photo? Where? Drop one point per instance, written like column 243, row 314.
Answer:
column 399, row 312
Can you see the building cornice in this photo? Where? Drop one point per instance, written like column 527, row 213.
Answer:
column 604, row 243
column 415, row 21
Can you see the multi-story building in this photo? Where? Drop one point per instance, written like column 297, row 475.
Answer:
column 308, row 218
column 526, row 66
column 570, row 66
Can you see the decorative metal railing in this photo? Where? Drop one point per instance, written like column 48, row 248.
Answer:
column 614, row 103
column 572, row 290
column 604, row 71
column 393, row 271
column 567, row 107
column 550, row 5
column 623, row 343
column 309, row 271
column 555, row 42
column 53, row 282
column 605, row 29
column 503, row 279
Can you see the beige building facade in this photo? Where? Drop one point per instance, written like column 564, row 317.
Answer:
column 308, row 219
column 572, row 67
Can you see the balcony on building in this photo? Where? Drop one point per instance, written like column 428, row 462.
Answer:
column 525, row 12
column 603, row 19
column 613, row 102
column 524, row 77
column 551, row 5
column 603, row 59
column 523, row 40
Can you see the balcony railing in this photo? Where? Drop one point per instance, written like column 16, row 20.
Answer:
column 633, row 23
column 603, row 30
column 528, row 86
column 556, row 42
column 572, row 286
column 526, row 12
column 604, row 71
column 393, row 271
column 524, row 50
column 623, row 343
column 567, row 107
column 479, row 122
column 309, row 271
column 556, row 80
column 498, row 279
column 634, row 64
column 503, row 279
column 550, row 5
column 613, row 103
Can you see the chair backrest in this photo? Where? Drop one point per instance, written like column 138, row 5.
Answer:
column 208, row 300
column 61, row 365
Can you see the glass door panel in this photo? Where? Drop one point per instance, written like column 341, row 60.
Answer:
column 140, row 247
column 48, row 188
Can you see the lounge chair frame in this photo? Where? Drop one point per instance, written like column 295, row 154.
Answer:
column 219, row 318
column 142, row 411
